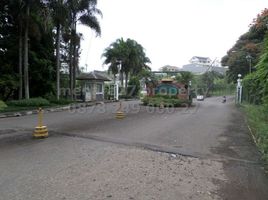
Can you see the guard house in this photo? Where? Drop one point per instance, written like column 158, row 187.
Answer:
column 92, row 86
column 168, row 87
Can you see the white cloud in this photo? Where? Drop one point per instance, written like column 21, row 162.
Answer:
column 171, row 31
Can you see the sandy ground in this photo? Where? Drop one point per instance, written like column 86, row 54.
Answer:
column 100, row 170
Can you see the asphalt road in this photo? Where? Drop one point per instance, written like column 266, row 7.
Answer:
column 209, row 131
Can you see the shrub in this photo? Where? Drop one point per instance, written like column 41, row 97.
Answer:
column 33, row 102
column 257, row 118
column 166, row 96
column 125, row 97
column 2, row 105
column 133, row 86
column 60, row 101
column 157, row 101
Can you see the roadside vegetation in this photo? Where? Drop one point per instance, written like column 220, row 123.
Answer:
column 213, row 84
column 165, row 101
column 31, row 104
column 257, row 116
column 2, row 105
column 39, row 39
column 249, row 57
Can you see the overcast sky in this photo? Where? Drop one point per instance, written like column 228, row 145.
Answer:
column 171, row 31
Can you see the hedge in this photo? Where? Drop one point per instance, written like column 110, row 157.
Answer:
column 33, row 102
column 158, row 101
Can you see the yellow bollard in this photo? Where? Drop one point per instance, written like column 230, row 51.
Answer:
column 120, row 114
column 41, row 130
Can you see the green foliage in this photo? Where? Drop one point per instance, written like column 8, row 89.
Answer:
column 8, row 85
column 206, row 83
column 33, row 102
column 165, row 96
column 256, row 84
column 60, row 101
column 133, row 86
column 250, row 43
column 2, row 105
column 158, row 101
column 184, row 77
column 125, row 96
column 257, row 117
column 45, row 18
column 130, row 53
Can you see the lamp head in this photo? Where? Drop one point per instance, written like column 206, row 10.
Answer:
column 248, row 57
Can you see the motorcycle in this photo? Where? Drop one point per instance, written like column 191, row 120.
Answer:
column 224, row 99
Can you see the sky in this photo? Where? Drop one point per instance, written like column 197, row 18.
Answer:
column 171, row 31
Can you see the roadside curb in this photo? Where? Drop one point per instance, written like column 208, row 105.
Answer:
column 53, row 109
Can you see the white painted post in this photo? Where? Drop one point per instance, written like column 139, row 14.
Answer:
column 239, row 90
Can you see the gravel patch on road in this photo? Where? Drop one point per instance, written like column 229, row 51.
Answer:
column 141, row 174
column 82, row 169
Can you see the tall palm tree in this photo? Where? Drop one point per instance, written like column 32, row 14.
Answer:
column 17, row 7
column 36, row 13
column 26, row 49
column 132, row 56
column 137, row 59
column 59, row 16
column 85, row 12
column 113, row 54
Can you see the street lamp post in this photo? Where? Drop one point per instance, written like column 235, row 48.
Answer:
column 249, row 59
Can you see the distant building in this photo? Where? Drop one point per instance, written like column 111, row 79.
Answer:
column 201, row 69
column 195, row 68
column 200, row 60
column 200, row 65
column 169, row 68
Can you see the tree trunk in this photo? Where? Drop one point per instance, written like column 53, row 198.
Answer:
column 121, row 77
column 126, row 82
column 75, row 56
column 20, row 61
column 72, row 57
column 26, row 50
column 74, row 71
column 58, row 60
column 71, row 70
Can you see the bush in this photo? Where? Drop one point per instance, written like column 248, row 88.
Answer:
column 157, row 101
column 257, row 117
column 166, row 96
column 33, row 102
column 2, row 105
column 133, row 86
column 125, row 97
column 61, row 101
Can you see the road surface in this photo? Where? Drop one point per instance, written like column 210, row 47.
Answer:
column 202, row 152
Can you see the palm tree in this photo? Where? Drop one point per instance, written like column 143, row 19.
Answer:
column 36, row 15
column 131, row 54
column 19, row 18
column 184, row 77
column 59, row 15
column 26, row 49
column 85, row 12
column 137, row 59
